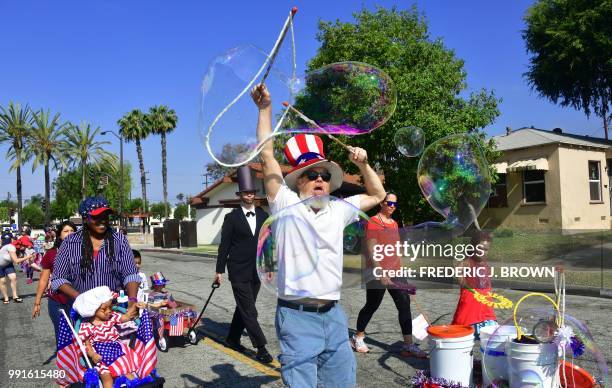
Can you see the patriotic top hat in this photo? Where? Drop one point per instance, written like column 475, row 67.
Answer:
column 158, row 279
column 305, row 151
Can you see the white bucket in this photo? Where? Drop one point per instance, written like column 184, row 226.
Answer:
column 452, row 358
column 493, row 348
column 532, row 365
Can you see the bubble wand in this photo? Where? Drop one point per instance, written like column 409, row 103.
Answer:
column 313, row 123
column 280, row 40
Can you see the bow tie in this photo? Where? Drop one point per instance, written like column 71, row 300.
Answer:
column 248, row 214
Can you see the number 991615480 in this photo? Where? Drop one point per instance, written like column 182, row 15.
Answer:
column 36, row 374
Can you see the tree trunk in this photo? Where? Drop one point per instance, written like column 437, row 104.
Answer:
column 19, row 198
column 604, row 113
column 47, row 195
column 143, row 178
column 164, row 173
column 83, row 180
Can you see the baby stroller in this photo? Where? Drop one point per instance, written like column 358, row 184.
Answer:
column 76, row 370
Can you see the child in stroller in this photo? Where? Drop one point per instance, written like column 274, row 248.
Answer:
column 112, row 358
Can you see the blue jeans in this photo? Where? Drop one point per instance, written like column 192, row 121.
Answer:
column 315, row 349
column 54, row 312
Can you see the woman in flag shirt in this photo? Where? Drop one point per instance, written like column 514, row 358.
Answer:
column 94, row 256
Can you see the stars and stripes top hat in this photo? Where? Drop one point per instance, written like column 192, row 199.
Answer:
column 305, row 151
column 159, row 279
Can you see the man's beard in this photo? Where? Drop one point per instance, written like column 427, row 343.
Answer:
column 316, row 202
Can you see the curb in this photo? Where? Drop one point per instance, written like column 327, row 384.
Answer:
column 179, row 252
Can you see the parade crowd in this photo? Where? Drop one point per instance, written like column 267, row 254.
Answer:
column 83, row 269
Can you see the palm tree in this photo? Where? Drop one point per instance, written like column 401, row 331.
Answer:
column 162, row 120
column 47, row 145
column 15, row 122
column 83, row 149
column 133, row 127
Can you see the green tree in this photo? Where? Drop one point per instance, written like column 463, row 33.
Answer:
column 429, row 80
column 180, row 212
column 162, row 120
column 15, row 122
column 133, row 128
column 83, row 149
column 68, row 192
column 157, row 210
column 134, row 205
column 229, row 154
column 570, row 42
column 33, row 215
column 46, row 144
column 4, row 214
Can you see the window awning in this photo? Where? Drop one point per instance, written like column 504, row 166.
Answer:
column 501, row 167
column 540, row 164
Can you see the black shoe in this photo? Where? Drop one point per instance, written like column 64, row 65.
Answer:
column 263, row 355
column 235, row 346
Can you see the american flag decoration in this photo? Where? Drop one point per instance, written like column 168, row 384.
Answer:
column 176, row 325
column 68, row 354
column 145, row 346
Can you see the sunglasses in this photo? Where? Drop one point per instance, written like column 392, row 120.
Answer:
column 314, row 175
column 391, row 203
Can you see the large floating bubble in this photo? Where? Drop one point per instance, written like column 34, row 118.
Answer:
column 409, row 141
column 228, row 116
column 453, row 175
column 297, row 270
column 349, row 98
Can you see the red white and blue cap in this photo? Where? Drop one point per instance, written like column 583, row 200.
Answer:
column 159, row 279
column 93, row 206
column 305, row 151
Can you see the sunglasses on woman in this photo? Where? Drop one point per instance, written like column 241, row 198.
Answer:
column 314, row 175
column 391, row 203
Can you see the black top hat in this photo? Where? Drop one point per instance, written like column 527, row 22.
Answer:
column 245, row 179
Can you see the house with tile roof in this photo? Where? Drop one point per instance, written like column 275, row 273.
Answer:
column 551, row 180
column 218, row 199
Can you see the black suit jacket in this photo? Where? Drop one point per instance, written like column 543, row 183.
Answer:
column 238, row 248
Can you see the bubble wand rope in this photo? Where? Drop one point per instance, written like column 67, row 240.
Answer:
column 313, row 123
column 288, row 23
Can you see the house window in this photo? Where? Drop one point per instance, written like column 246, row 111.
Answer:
column 499, row 196
column 594, row 181
column 534, row 189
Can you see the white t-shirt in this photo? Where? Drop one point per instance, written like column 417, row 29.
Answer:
column 309, row 245
column 5, row 256
column 143, row 286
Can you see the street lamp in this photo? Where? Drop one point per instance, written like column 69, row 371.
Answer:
column 121, row 186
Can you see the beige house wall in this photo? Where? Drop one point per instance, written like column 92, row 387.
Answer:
column 577, row 210
column 519, row 215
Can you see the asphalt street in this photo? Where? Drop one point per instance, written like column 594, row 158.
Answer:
column 27, row 344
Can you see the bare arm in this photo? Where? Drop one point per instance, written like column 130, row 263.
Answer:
column 17, row 260
column 374, row 187
column 273, row 176
column 43, row 282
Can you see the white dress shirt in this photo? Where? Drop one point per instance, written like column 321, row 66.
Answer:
column 252, row 220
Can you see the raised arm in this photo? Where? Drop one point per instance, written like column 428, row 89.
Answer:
column 273, row 176
column 374, row 187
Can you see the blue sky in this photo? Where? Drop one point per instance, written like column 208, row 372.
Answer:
column 97, row 60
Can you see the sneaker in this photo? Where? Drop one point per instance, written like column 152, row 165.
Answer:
column 358, row 344
column 29, row 281
column 412, row 350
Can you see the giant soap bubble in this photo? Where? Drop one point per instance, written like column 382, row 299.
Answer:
column 228, row 116
column 454, row 177
column 348, row 98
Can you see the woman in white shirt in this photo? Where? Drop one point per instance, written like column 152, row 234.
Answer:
column 8, row 258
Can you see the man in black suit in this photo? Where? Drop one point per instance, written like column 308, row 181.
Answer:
column 238, row 249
